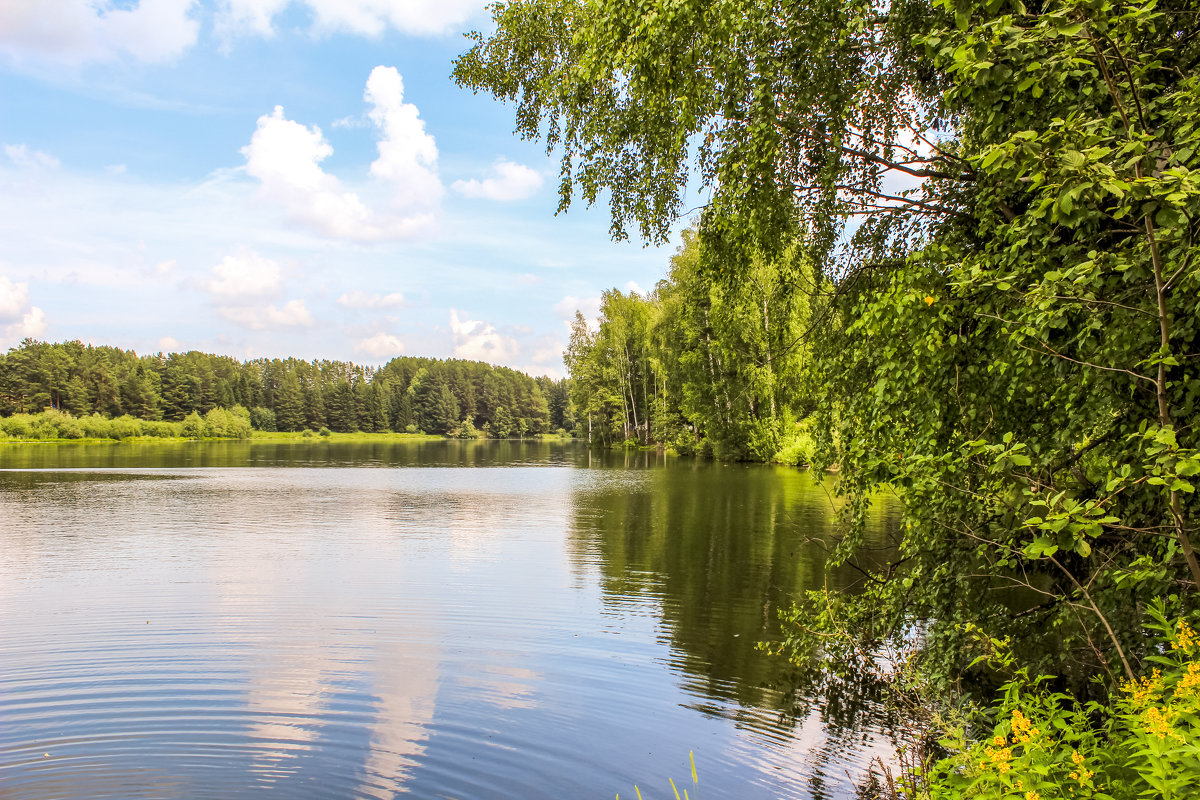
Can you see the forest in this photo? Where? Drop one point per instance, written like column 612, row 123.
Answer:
column 717, row 371
column 959, row 243
column 436, row 396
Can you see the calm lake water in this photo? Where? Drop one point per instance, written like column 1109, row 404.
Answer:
column 441, row 620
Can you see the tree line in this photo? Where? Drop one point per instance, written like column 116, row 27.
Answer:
column 440, row 396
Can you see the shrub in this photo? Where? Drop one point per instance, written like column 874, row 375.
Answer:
column 193, row 426
column 124, row 427
column 18, row 426
column 325, row 432
column 95, row 426
column 797, row 446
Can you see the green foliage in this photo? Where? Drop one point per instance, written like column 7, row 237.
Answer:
column 1011, row 342
column 232, row 424
column 1024, row 378
column 53, row 424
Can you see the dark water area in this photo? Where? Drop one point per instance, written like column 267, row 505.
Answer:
column 432, row 619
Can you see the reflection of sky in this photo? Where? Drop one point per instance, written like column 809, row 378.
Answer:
column 347, row 632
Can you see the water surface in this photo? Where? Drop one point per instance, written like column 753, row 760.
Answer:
column 445, row 619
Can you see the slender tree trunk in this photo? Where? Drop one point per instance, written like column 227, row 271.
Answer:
column 1164, row 407
column 770, row 366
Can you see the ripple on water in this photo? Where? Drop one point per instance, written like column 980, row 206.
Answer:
column 482, row 632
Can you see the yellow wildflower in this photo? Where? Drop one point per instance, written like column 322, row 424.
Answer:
column 1188, row 683
column 1185, row 638
column 1023, row 729
column 1032, row 795
column 928, row 299
column 1076, row 757
column 1157, row 722
column 1143, row 690
column 998, row 741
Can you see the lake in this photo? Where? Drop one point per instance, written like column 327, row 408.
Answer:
column 436, row 619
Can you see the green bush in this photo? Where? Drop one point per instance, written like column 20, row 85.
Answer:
column 18, row 426
column 193, row 426
column 797, row 446
column 325, row 431
column 124, row 427
column 1143, row 742
column 94, row 426
column 53, row 424
column 227, row 423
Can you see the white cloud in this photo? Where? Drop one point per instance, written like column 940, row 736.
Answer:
column 381, row 345
column 22, row 156
column 293, row 314
column 365, row 17
column 24, row 320
column 244, row 275
column 550, row 354
column 477, row 340
column 164, row 267
column 73, row 32
column 633, row 288
column 509, row 181
column 554, row 373
column 169, row 344
column 14, row 299
column 588, row 306
column 31, row 326
column 361, row 299
column 286, row 157
column 407, row 154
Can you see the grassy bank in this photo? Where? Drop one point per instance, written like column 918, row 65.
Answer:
column 333, row 436
column 53, row 426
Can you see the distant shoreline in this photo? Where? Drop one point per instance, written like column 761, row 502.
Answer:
column 279, row 437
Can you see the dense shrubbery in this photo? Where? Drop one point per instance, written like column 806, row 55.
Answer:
column 53, row 424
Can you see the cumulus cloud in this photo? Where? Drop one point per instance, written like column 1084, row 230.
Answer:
column 361, row 299
column 169, row 344
column 286, row 158
column 477, row 340
column 244, row 275
column 293, row 314
column 73, row 32
column 508, row 181
column 589, row 306
column 364, row 17
column 381, row 345
column 14, row 299
column 633, row 288
column 23, row 156
column 19, row 318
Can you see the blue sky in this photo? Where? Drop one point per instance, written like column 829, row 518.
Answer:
column 281, row 177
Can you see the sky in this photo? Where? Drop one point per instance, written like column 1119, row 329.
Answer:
column 282, row 178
